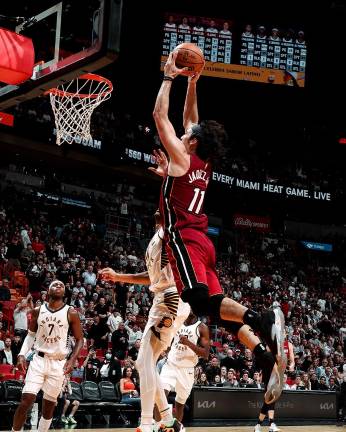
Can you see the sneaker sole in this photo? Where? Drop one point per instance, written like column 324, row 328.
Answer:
column 278, row 332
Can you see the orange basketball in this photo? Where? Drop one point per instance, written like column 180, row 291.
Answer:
column 190, row 56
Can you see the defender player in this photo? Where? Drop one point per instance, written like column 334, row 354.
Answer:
column 191, row 253
column 166, row 316
column 268, row 409
column 191, row 342
column 48, row 335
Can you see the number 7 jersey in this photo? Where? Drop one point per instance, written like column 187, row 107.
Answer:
column 182, row 198
column 52, row 330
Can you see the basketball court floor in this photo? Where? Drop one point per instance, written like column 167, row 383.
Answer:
column 322, row 428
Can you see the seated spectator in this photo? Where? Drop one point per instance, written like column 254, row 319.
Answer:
column 92, row 367
column 6, row 355
column 202, row 381
column 298, row 384
column 129, row 393
column 333, row 384
column 133, row 352
column 223, row 376
column 74, row 404
column 323, row 383
column 78, row 371
column 246, row 381
column 257, row 380
column 314, row 384
column 213, row 369
column 217, row 381
column 231, row 379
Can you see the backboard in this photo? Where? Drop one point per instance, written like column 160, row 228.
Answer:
column 70, row 39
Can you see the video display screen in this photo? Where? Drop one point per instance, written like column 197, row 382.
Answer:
column 243, row 51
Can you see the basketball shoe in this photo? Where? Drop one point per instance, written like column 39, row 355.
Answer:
column 273, row 332
column 274, row 428
column 176, row 426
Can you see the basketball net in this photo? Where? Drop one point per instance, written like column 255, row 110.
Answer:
column 73, row 104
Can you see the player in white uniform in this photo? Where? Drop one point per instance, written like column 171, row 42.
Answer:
column 165, row 317
column 48, row 335
column 191, row 342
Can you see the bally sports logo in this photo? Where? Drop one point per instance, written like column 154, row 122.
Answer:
column 258, row 223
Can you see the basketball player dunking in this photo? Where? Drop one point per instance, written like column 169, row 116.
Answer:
column 191, row 342
column 166, row 316
column 191, row 253
column 48, row 335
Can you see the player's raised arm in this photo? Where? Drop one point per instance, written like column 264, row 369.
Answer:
column 165, row 129
column 109, row 274
column 190, row 115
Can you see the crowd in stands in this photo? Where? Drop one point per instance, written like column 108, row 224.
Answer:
column 130, row 131
column 259, row 270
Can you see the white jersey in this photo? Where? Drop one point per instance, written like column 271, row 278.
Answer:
column 159, row 269
column 180, row 354
column 52, row 332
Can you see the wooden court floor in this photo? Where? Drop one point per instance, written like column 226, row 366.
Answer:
column 322, row 428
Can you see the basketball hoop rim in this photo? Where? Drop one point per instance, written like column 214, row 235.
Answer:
column 89, row 76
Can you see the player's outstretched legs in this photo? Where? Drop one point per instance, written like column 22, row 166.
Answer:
column 151, row 389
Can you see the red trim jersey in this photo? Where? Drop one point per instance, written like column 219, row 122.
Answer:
column 182, row 198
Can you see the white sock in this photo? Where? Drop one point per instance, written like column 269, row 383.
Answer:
column 43, row 425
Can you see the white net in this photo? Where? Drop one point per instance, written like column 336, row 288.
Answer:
column 73, row 104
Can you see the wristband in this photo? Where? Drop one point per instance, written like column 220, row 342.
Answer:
column 167, row 78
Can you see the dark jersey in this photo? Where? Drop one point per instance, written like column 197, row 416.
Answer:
column 182, row 198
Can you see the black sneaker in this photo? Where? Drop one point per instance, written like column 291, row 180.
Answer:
column 273, row 332
column 175, row 427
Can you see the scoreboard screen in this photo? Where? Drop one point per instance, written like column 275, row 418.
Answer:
column 248, row 51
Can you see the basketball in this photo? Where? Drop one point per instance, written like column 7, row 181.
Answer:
column 190, row 56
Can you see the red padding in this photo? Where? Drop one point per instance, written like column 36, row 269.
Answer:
column 17, row 57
